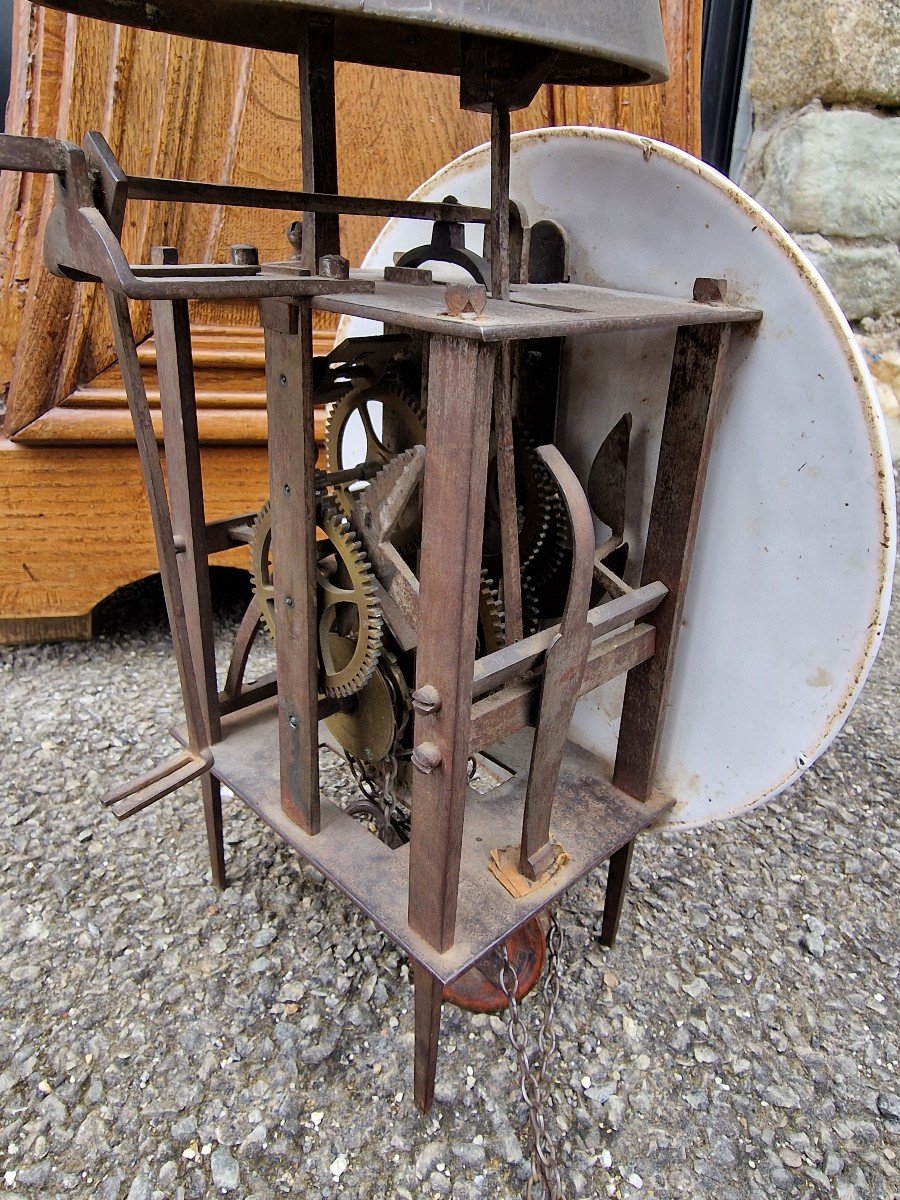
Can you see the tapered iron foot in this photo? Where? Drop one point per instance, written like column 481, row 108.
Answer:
column 428, row 1029
column 212, row 812
column 616, row 887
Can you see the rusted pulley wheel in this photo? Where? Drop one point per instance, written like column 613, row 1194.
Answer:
column 479, row 990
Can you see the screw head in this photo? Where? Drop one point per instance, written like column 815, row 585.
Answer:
column 426, row 699
column 426, row 757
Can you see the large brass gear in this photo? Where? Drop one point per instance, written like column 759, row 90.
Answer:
column 406, row 419
column 347, row 607
column 368, row 728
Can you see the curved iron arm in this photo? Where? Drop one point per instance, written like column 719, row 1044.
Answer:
column 448, row 244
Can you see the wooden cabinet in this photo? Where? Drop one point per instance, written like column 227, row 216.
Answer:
column 73, row 520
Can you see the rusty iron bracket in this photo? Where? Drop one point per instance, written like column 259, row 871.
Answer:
column 81, row 243
column 564, row 667
column 139, row 793
column 448, row 245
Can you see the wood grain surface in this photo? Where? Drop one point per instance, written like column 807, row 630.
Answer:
column 74, row 526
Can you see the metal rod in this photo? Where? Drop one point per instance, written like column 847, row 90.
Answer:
column 513, row 661
column 500, row 203
column 564, row 668
column 191, row 191
column 695, row 387
column 154, row 483
column 460, row 388
column 318, row 136
column 184, row 478
column 506, row 493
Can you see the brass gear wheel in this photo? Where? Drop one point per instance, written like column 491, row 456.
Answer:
column 369, row 727
column 406, row 419
column 345, row 587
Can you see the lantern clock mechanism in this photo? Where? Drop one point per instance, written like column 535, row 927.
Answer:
column 560, row 548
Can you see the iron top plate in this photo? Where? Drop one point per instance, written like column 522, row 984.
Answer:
column 616, row 43
column 533, row 310
column 790, row 581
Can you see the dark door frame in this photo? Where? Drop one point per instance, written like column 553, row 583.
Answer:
column 726, row 26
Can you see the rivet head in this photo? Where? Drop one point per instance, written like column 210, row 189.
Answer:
column 289, row 601
column 334, row 266
column 245, row 256
column 287, row 489
column 426, row 757
column 282, row 379
column 465, row 299
column 426, row 699
column 293, row 722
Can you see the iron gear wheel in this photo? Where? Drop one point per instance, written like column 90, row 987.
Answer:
column 406, row 419
column 556, row 547
column 491, row 633
column 534, row 500
column 531, row 608
column 346, row 603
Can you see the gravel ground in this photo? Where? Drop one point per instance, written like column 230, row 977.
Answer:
column 160, row 1039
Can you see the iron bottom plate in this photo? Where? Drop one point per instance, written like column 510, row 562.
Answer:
column 591, row 819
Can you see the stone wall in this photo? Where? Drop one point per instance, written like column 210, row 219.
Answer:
column 824, row 156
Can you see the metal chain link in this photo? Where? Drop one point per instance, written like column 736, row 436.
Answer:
column 545, row 1172
column 378, row 787
column 377, row 782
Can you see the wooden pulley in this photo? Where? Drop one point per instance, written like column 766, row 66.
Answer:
column 480, row 989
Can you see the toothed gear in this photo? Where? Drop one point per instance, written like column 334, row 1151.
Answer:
column 491, row 620
column 531, row 608
column 407, row 422
column 556, row 546
column 534, row 499
column 370, row 727
column 547, row 576
column 346, row 603
column 548, row 502
column 261, row 567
